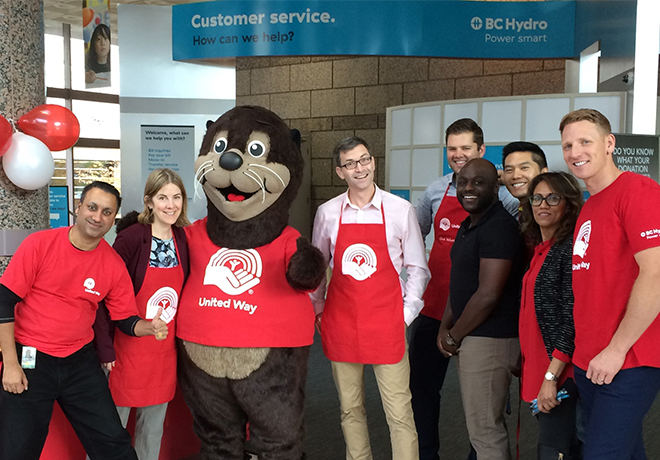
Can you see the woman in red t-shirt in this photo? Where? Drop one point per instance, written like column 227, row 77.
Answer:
column 547, row 331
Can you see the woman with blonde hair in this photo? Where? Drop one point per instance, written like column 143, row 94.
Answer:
column 153, row 246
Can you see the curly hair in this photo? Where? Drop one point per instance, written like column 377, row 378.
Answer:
column 567, row 187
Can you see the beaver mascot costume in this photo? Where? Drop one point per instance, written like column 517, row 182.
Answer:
column 245, row 321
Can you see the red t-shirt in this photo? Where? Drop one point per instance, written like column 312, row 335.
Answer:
column 535, row 359
column 61, row 287
column 614, row 225
column 240, row 297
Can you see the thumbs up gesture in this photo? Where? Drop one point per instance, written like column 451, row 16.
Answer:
column 156, row 327
column 159, row 326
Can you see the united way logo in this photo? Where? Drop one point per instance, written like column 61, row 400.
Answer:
column 234, row 271
column 582, row 240
column 89, row 285
column 165, row 298
column 359, row 261
column 445, row 224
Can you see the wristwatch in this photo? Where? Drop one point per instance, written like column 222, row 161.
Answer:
column 450, row 340
column 551, row 377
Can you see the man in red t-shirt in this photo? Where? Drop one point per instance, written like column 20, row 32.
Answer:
column 49, row 294
column 616, row 267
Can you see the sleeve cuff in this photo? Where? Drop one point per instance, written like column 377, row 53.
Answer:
column 561, row 356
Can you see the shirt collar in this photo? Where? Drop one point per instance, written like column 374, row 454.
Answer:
column 492, row 210
column 376, row 201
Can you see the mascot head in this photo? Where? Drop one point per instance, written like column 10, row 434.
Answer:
column 250, row 168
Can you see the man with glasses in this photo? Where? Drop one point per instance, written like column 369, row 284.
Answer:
column 368, row 236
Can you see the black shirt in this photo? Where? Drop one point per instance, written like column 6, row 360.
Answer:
column 495, row 236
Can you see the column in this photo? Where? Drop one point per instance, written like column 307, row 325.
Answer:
column 22, row 88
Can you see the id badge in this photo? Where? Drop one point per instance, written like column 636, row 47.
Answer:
column 29, row 358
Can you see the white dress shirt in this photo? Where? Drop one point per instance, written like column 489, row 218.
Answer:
column 404, row 242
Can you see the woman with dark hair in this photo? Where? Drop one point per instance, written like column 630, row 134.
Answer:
column 98, row 55
column 547, row 331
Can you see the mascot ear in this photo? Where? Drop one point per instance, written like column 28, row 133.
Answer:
column 209, row 123
column 295, row 137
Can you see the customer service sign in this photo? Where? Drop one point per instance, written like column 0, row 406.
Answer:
column 469, row 29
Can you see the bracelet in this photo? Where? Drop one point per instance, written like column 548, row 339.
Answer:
column 450, row 341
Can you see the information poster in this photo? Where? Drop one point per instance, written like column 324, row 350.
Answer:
column 58, row 198
column 638, row 153
column 170, row 147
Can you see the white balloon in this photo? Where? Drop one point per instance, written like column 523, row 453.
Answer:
column 28, row 163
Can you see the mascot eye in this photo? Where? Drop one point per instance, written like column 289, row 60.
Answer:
column 220, row 145
column 256, row 149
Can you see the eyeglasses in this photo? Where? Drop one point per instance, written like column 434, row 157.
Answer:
column 350, row 164
column 553, row 199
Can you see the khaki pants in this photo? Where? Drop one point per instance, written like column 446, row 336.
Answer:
column 484, row 368
column 394, row 386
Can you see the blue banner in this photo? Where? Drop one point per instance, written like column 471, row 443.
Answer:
column 466, row 29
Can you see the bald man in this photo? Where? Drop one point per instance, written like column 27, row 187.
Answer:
column 480, row 323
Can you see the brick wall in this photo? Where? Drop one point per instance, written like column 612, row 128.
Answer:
column 336, row 97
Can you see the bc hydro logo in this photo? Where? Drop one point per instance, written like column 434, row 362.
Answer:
column 507, row 24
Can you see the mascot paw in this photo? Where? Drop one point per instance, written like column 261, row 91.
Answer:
column 306, row 267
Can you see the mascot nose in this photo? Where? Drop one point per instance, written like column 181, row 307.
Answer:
column 230, row 161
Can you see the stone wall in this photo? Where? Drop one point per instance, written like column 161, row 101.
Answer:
column 22, row 88
column 335, row 97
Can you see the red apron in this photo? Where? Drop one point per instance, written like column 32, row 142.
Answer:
column 445, row 226
column 145, row 370
column 363, row 315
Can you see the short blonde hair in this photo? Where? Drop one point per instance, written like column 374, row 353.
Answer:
column 156, row 181
column 590, row 115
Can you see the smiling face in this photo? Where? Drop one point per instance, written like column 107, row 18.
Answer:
column 461, row 148
column 587, row 150
column 476, row 186
column 238, row 177
column 519, row 169
column 166, row 204
column 362, row 177
column 95, row 214
column 548, row 217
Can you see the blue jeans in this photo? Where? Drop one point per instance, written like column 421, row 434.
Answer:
column 614, row 413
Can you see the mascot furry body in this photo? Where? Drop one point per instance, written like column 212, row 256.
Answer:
column 245, row 321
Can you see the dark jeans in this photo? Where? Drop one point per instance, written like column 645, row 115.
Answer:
column 558, row 428
column 614, row 413
column 427, row 374
column 79, row 385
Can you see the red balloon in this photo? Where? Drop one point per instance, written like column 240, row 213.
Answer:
column 5, row 135
column 54, row 125
column 88, row 15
